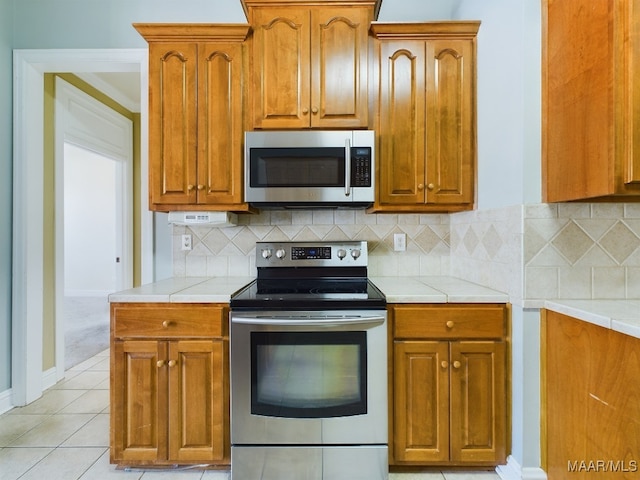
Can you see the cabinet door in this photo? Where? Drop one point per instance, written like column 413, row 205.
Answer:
column 450, row 122
column 421, row 401
column 198, row 409
column 402, row 123
column 281, row 70
column 172, row 122
column 220, row 129
column 478, row 402
column 138, row 411
column 339, row 71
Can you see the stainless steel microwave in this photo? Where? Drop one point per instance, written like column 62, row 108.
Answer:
column 311, row 168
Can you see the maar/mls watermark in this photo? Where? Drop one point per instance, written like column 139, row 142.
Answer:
column 613, row 466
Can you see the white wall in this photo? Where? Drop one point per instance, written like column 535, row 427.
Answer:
column 89, row 223
column 508, row 100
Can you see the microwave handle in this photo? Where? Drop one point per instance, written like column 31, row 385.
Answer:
column 347, row 167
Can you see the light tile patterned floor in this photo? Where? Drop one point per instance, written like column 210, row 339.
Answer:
column 65, row 436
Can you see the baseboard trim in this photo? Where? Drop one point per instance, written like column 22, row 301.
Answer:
column 513, row 471
column 5, row 401
column 49, row 378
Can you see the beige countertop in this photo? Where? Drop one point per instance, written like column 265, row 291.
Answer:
column 427, row 289
column 620, row 315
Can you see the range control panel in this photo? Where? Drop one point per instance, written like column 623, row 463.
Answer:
column 311, row 254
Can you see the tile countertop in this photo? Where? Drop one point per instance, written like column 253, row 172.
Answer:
column 184, row 290
column 436, row 289
column 619, row 315
column 428, row 289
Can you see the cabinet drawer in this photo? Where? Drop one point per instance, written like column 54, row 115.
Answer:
column 449, row 321
column 168, row 320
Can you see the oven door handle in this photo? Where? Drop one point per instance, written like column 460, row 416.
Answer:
column 316, row 322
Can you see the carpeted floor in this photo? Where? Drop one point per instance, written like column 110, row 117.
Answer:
column 86, row 321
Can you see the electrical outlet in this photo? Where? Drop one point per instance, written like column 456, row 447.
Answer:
column 186, row 242
column 399, row 242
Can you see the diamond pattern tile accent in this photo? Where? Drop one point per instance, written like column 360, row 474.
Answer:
column 572, row 242
column 427, row 240
column 470, row 240
column 492, row 242
column 620, row 242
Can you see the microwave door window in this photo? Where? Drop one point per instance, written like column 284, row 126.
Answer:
column 297, row 167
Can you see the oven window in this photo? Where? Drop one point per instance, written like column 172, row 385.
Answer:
column 308, row 374
column 297, row 167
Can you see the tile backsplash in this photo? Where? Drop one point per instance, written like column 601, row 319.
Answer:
column 231, row 250
column 531, row 252
column 582, row 250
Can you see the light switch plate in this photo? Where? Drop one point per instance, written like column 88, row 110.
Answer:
column 399, row 242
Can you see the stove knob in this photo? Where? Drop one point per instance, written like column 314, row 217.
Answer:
column 342, row 253
column 266, row 253
column 355, row 253
column 280, row 253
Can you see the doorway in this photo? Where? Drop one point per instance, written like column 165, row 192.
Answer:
column 94, row 219
column 28, row 337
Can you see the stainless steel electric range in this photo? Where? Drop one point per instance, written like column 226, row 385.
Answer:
column 309, row 366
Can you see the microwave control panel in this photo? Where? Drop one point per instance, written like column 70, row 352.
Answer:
column 360, row 166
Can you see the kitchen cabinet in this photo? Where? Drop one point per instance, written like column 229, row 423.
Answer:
column 309, row 63
column 169, row 384
column 426, row 116
column 590, row 101
column 196, row 129
column 449, row 382
column 590, row 408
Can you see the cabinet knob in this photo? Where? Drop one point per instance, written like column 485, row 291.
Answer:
column 166, row 324
column 172, row 363
column 190, row 187
column 314, row 110
column 456, row 364
column 200, row 187
column 420, row 187
column 305, row 111
column 160, row 363
column 450, row 324
column 431, row 186
column 444, row 364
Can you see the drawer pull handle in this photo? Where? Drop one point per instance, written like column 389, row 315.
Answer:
column 166, row 324
column 160, row 363
column 444, row 364
column 456, row 364
column 172, row 363
column 450, row 324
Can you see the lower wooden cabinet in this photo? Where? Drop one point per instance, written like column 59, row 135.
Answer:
column 169, row 384
column 449, row 382
column 590, row 400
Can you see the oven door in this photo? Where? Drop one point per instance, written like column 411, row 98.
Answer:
column 313, row 380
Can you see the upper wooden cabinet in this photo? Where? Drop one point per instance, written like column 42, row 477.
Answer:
column 309, row 63
column 426, row 116
column 196, row 74
column 590, row 99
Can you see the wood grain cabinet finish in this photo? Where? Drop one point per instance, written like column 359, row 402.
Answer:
column 309, row 63
column 449, row 384
column 590, row 400
column 169, row 384
column 591, row 102
column 426, row 116
column 196, row 78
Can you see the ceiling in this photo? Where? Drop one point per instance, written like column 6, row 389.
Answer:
column 123, row 87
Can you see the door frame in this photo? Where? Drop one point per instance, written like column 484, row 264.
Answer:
column 29, row 68
column 104, row 141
